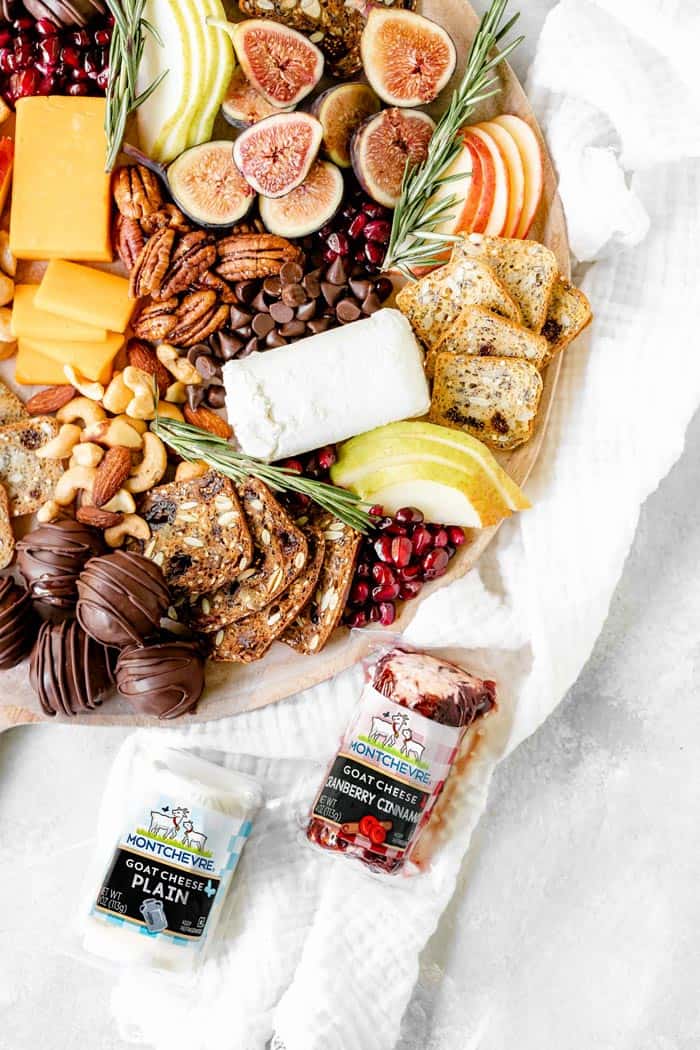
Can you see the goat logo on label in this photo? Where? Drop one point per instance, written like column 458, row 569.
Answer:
column 392, row 730
column 410, row 747
column 174, row 825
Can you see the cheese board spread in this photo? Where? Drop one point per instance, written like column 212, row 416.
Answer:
column 281, row 316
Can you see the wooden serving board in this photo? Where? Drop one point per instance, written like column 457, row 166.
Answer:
column 233, row 688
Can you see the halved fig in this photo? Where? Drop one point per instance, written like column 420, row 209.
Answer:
column 243, row 105
column 208, row 187
column 408, row 59
column 383, row 146
column 275, row 154
column 341, row 110
column 279, row 62
column 308, row 207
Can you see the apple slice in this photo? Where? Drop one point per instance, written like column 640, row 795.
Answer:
column 466, row 165
column 493, row 206
column 515, row 170
column 531, row 155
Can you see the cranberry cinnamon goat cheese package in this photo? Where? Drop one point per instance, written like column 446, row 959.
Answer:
column 381, row 787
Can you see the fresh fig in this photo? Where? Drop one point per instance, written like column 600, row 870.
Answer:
column 341, row 110
column 307, row 208
column 279, row 62
column 244, row 105
column 208, row 187
column 383, row 146
column 408, row 59
column 275, row 154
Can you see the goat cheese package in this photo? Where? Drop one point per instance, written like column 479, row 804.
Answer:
column 327, row 387
column 166, row 854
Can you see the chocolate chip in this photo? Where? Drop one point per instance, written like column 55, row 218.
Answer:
column 207, row 367
column 312, row 284
column 293, row 294
column 347, row 311
column 306, row 311
column 251, row 346
column 227, row 345
column 319, row 324
column 282, row 313
column 336, row 272
column 245, row 332
column 259, row 303
column 331, row 292
column 238, row 318
column 291, row 273
column 263, row 324
column 383, row 287
column 245, row 290
column 274, row 339
column 371, row 304
column 216, row 397
column 360, row 289
column 293, row 330
column 196, row 351
column 273, row 286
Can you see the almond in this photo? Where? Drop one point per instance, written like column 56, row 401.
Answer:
column 140, row 355
column 50, row 400
column 112, row 472
column 100, row 519
column 207, row 420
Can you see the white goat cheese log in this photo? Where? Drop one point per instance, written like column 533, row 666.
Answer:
column 326, row 388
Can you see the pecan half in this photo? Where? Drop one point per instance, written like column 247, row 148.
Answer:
column 167, row 216
column 128, row 240
column 137, row 191
column 152, row 264
column 245, row 256
column 223, row 289
column 192, row 256
column 156, row 320
column 198, row 315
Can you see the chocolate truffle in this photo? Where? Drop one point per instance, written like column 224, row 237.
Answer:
column 69, row 672
column 18, row 625
column 52, row 557
column 66, row 12
column 121, row 598
column 165, row 679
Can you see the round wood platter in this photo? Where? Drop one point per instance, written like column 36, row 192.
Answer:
column 232, row 688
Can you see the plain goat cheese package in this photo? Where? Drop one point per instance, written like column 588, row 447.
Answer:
column 326, row 388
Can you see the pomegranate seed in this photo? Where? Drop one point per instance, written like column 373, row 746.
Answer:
column 70, row 56
column 410, row 572
column 396, row 529
column 457, row 535
column 5, row 37
column 357, row 225
column 7, row 61
column 359, row 255
column 401, row 551
column 326, row 231
column 338, row 243
column 440, row 538
column 77, row 89
column 376, row 510
column 378, row 231
column 422, row 540
column 103, row 79
column 25, row 83
column 81, row 38
column 80, row 74
column 102, row 37
column 409, row 514
column 46, row 86
column 409, row 589
column 357, row 619
column 293, row 464
column 329, row 255
column 92, row 64
column 363, row 569
column 326, row 457
column 383, row 574
column 374, row 210
column 45, row 27
column 24, row 55
column 435, row 564
column 49, row 50
column 383, row 287
column 382, row 547
column 373, row 253
column 359, row 593
column 386, row 592
column 387, row 615
column 374, row 614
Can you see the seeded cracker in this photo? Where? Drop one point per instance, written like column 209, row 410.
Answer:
column 7, row 536
column 250, row 638
column 12, row 409
column 28, row 480
column 199, row 535
column 315, row 623
column 568, row 314
column 280, row 553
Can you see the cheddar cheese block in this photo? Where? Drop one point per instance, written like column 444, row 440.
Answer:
column 83, row 294
column 35, row 369
column 29, row 322
column 92, row 360
column 61, row 192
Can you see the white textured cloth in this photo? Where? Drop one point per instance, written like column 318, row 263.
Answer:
column 317, row 955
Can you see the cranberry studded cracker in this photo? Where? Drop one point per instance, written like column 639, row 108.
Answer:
column 28, row 479
column 315, row 623
column 199, row 535
column 249, row 639
column 280, row 553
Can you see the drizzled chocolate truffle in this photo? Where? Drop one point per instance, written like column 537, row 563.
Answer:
column 69, row 671
column 165, row 679
column 52, row 557
column 66, row 12
column 121, row 598
column 18, row 625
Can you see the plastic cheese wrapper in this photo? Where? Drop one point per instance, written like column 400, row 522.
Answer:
column 168, row 843
column 380, row 789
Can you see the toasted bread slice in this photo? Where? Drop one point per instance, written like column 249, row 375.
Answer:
column 435, row 302
column 7, row 536
column 316, row 622
column 199, row 535
column 527, row 269
column 279, row 556
column 12, row 408
column 249, row 639
column 28, row 479
column 481, row 333
column 568, row 314
column 494, row 399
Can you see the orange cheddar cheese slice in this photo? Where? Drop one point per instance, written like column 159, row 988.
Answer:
column 92, row 360
column 29, row 322
column 83, row 294
column 60, row 195
column 34, row 369
column 7, row 152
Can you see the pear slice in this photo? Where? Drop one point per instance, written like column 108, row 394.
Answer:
column 159, row 116
column 220, row 62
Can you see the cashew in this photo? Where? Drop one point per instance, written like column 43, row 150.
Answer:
column 48, row 511
column 121, row 501
column 86, row 387
column 130, row 525
column 142, row 384
column 183, row 370
column 62, row 445
column 7, row 290
column 117, row 395
column 8, row 263
column 176, row 392
column 151, row 468
column 189, row 471
column 170, row 411
column 139, row 425
column 81, row 408
column 6, row 335
column 111, row 432
column 86, row 454
column 72, row 482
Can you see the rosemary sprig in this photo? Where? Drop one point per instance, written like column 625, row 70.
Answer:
column 193, row 443
column 415, row 241
column 125, row 53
